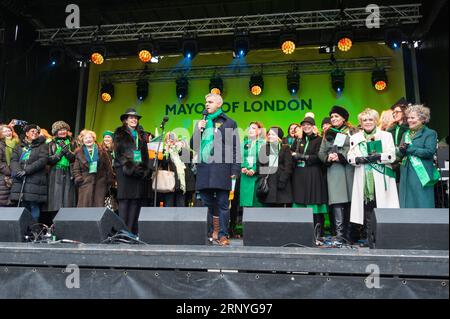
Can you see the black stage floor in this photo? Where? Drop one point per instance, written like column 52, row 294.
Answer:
column 160, row 271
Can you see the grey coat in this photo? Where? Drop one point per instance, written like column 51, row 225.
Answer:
column 339, row 174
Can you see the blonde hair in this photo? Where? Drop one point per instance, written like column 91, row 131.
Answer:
column 85, row 132
column 14, row 134
column 386, row 120
column 368, row 113
column 217, row 97
column 45, row 134
column 421, row 110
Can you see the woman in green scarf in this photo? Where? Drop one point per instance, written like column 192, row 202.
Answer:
column 251, row 147
column 8, row 142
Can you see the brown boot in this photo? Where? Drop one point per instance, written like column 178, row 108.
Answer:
column 224, row 241
column 215, row 234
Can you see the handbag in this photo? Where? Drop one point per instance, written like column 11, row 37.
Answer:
column 165, row 183
column 262, row 189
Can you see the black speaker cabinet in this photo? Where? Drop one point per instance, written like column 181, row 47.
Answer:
column 15, row 224
column 173, row 225
column 409, row 229
column 276, row 227
column 87, row 225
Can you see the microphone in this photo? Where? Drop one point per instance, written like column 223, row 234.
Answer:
column 165, row 119
column 205, row 114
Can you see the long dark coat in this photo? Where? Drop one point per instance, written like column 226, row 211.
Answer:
column 92, row 188
column 217, row 175
column 5, row 171
column 61, row 187
column 308, row 183
column 131, row 176
column 35, row 189
column 279, row 180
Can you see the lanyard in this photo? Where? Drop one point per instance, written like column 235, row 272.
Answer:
column 306, row 145
column 397, row 130
column 91, row 153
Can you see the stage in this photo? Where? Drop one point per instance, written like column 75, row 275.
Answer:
column 207, row 272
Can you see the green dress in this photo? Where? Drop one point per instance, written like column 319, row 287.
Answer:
column 247, row 193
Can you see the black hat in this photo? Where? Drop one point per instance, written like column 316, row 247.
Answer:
column 401, row 102
column 309, row 120
column 341, row 111
column 129, row 112
column 278, row 130
column 30, row 127
column 326, row 120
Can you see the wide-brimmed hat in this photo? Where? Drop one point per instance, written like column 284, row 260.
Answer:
column 129, row 112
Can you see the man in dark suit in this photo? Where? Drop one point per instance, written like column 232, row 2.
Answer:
column 216, row 141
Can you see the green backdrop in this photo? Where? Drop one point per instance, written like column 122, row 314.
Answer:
column 275, row 106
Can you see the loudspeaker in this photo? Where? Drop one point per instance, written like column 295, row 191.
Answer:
column 409, row 229
column 275, row 227
column 15, row 224
column 173, row 225
column 87, row 225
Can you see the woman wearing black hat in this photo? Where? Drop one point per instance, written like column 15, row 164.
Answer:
column 275, row 164
column 131, row 165
column 308, row 183
column 28, row 167
column 333, row 152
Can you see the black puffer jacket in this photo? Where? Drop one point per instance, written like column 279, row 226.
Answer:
column 35, row 189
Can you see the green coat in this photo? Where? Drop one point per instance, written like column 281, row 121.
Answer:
column 412, row 194
column 248, row 183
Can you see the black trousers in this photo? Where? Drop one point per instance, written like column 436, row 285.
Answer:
column 175, row 199
column 129, row 210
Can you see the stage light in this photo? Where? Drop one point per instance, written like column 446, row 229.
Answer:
column 182, row 85
column 216, row 85
column 393, row 37
column 98, row 54
column 145, row 52
column 287, row 42
column 241, row 45
column 338, row 80
column 142, row 89
column 344, row 39
column 107, row 92
column 56, row 56
column 293, row 81
column 190, row 48
column 379, row 79
column 256, row 84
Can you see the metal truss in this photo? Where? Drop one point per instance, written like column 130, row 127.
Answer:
column 222, row 26
column 235, row 70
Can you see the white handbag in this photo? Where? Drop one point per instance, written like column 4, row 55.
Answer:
column 166, row 181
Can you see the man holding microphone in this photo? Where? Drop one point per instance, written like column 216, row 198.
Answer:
column 216, row 142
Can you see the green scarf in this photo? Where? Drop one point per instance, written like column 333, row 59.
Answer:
column 207, row 143
column 63, row 162
column 369, row 182
column 251, row 150
column 11, row 144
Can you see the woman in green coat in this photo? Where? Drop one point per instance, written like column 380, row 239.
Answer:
column 251, row 146
column 417, row 172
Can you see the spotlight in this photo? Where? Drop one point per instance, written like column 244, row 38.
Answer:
column 107, row 92
column 393, row 37
column 256, row 84
column 182, row 87
column 379, row 79
column 216, row 85
column 338, row 80
column 145, row 52
column 293, row 81
column 190, row 48
column 287, row 42
column 142, row 89
column 241, row 45
column 344, row 39
column 56, row 56
column 98, row 54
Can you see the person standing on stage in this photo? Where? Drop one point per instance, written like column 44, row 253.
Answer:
column 216, row 140
column 291, row 134
column 131, row 166
column 61, row 188
column 92, row 171
column 372, row 150
column 417, row 171
column 8, row 142
column 333, row 152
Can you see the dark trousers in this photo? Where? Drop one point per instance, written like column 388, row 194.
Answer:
column 175, row 199
column 217, row 199
column 129, row 210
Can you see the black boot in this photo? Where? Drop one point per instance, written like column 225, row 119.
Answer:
column 332, row 224
column 339, row 222
column 368, row 214
column 318, row 225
